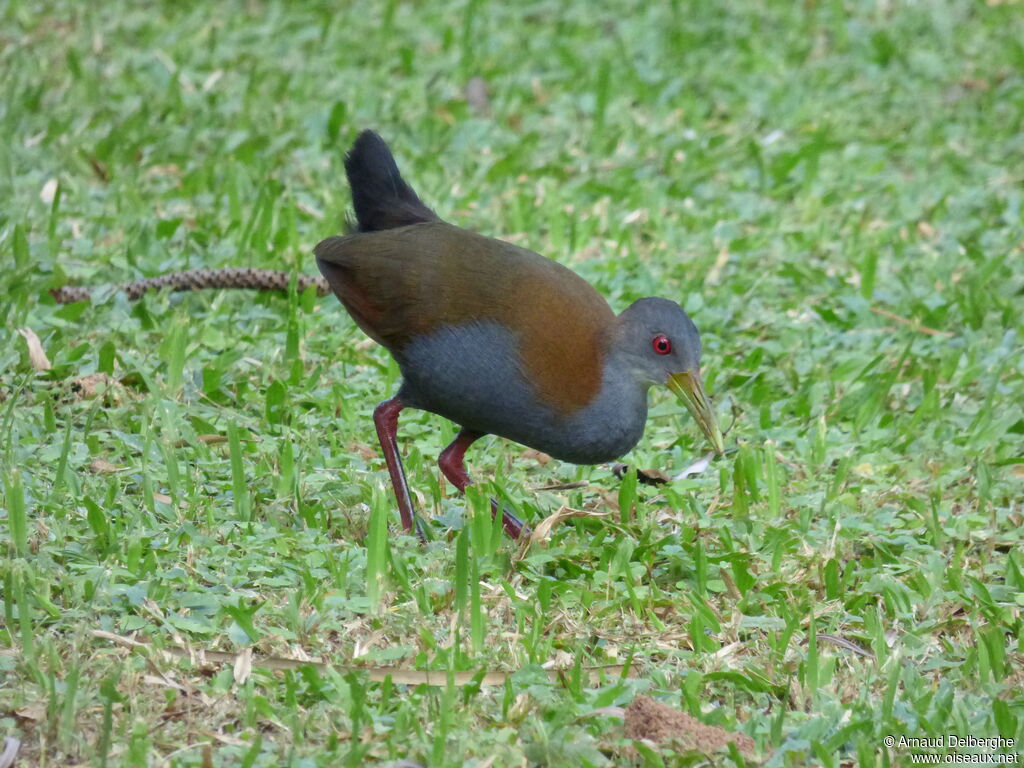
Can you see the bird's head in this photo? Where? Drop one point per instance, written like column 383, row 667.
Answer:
column 659, row 344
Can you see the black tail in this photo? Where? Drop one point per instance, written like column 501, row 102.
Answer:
column 380, row 195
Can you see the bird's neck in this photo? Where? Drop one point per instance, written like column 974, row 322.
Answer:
column 613, row 422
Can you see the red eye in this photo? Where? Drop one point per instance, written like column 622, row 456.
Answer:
column 661, row 344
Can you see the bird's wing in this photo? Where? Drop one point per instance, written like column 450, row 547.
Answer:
column 402, row 283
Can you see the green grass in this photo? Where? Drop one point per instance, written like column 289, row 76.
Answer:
column 833, row 191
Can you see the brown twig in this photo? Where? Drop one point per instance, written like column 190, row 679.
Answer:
column 910, row 323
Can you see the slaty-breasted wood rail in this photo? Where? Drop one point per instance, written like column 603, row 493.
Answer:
column 497, row 338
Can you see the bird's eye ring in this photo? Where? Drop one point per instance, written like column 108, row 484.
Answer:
column 661, row 343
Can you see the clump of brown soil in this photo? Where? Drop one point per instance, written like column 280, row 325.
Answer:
column 651, row 720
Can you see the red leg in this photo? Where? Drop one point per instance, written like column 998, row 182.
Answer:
column 385, row 418
column 451, row 462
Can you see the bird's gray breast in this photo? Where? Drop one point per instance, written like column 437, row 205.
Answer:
column 473, row 375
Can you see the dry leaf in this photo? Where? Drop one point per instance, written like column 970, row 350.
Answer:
column 243, row 666
column 212, row 79
column 231, row 741
column 520, row 708
column 36, row 355
column 10, row 753
column 366, row 453
column 538, row 456
column 49, row 191
column 163, row 498
column 696, row 468
column 714, row 275
column 544, row 527
column 102, row 466
column 561, row 660
column 35, row 711
column 652, row 477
